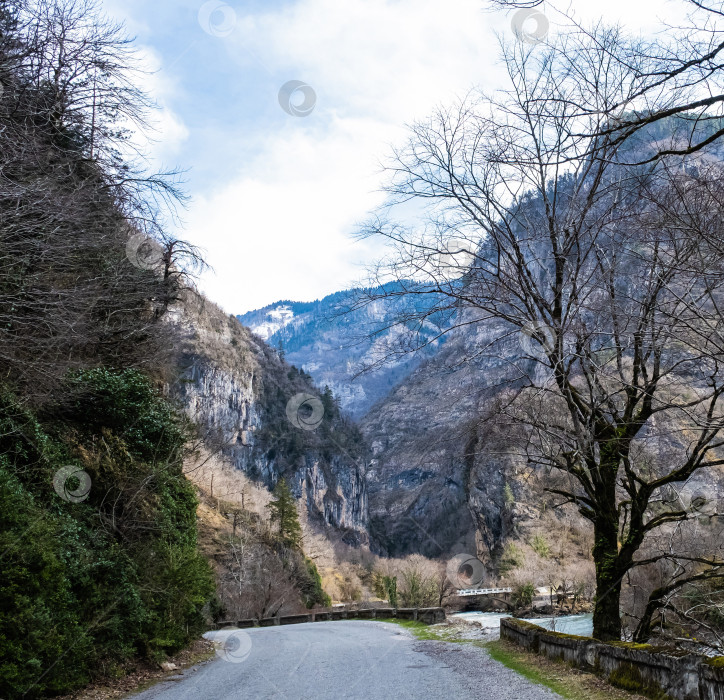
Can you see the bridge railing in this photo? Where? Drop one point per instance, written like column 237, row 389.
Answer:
column 483, row 591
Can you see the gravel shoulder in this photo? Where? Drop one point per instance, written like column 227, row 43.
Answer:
column 345, row 659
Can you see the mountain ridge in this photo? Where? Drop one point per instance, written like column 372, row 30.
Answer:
column 342, row 344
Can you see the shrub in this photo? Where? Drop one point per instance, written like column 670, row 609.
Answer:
column 418, row 589
column 511, row 559
column 385, row 587
column 523, row 595
column 125, row 403
column 311, row 586
column 391, row 590
column 540, row 546
column 86, row 585
column 508, row 496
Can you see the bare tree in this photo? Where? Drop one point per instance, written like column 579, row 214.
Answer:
column 681, row 76
column 73, row 197
column 255, row 582
column 538, row 226
column 445, row 588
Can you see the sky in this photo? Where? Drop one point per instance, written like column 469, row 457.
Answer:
column 281, row 174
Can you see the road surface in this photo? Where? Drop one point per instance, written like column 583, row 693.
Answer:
column 346, row 659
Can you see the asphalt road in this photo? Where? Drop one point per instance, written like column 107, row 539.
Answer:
column 346, row 659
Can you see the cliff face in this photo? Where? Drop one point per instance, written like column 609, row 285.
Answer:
column 445, row 476
column 426, row 490
column 450, row 473
column 239, row 391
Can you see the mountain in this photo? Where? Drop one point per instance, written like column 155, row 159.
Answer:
column 250, row 405
column 341, row 344
column 439, row 479
column 428, row 489
column 432, row 488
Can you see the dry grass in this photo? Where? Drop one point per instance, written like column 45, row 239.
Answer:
column 224, row 485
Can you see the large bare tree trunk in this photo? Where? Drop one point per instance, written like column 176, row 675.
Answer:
column 606, row 612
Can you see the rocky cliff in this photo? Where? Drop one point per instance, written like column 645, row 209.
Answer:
column 450, row 473
column 438, row 476
column 267, row 419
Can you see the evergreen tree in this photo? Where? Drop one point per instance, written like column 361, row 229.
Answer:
column 284, row 510
column 390, row 583
column 330, row 403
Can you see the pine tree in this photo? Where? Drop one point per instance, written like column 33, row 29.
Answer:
column 284, row 510
column 330, row 403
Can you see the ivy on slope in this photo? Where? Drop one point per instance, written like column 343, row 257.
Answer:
column 85, row 585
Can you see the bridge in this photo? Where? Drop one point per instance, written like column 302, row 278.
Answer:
column 482, row 591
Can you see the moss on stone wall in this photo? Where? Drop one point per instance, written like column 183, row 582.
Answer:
column 628, row 677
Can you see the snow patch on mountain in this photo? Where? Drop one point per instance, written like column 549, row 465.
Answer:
column 275, row 320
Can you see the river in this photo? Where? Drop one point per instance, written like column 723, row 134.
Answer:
column 581, row 625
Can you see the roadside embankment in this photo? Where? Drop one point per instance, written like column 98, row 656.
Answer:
column 662, row 672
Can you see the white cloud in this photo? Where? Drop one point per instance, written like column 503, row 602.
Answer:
column 388, row 58
column 168, row 131
column 279, row 227
column 282, row 229
column 280, row 232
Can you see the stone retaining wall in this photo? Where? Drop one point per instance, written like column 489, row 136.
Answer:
column 428, row 615
column 678, row 675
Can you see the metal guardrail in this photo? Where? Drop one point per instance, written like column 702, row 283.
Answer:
column 483, row 591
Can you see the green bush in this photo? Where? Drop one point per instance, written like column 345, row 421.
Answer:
column 311, row 587
column 508, row 496
column 540, row 546
column 385, row 587
column 391, row 590
column 512, row 558
column 86, row 585
column 523, row 595
column 125, row 403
